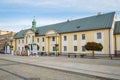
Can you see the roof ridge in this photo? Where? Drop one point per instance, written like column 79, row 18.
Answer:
column 77, row 19
column 95, row 22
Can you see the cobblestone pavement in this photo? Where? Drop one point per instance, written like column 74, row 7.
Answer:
column 17, row 71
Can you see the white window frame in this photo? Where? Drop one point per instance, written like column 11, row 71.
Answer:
column 64, row 48
column 99, row 35
column 83, row 36
column 75, row 50
column 65, row 38
column 75, row 37
column 38, row 40
column 83, row 49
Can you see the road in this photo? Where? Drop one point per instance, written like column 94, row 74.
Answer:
column 10, row 70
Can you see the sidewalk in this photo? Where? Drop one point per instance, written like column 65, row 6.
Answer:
column 95, row 67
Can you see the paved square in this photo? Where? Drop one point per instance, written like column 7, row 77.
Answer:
column 58, row 68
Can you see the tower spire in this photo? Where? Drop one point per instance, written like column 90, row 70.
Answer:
column 34, row 24
column 34, row 18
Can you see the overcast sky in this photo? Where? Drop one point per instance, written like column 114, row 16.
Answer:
column 16, row 15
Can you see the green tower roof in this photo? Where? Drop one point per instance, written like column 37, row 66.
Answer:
column 34, row 25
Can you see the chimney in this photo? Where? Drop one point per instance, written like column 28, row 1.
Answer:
column 99, row 13
column 68, row 20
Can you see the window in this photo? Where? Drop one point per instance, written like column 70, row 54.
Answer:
column 75, row 37
column 43, row 48
column 26, row 40
column 18, row 48
column 83, row 36
column 22, row 48
column 38, row 40
column 65, row 48
column 99, row 35
column 19, row 41
column 65, row 38
column 32, row 38
column 83, row 48
column 42, row 39
column 53, row 38
column 22, row 41
column 53, row 48
column 75, row 48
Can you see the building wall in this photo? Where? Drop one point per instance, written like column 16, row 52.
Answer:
column 48, row 44
column 14, row 45
column 21, row 42
column 112, row 48
column 90, row 37
column 117, row 41
column 42, row 43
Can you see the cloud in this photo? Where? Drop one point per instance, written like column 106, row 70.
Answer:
column 15, row 13
column 26, row 23
column 91, row 5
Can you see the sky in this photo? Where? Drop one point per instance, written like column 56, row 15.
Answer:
column 16, row 15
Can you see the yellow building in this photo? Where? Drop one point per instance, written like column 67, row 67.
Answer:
column 117, row 37
column 71, row 36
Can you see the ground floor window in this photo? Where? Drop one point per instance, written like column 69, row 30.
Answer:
column 53, row 48
column 65, row 48
column 22, row 48
column 75, row 48
column 83, row 48
column 18, row 48
column 43, row 48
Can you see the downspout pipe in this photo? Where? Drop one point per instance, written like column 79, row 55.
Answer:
column 110, row 45
column 115, row 46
